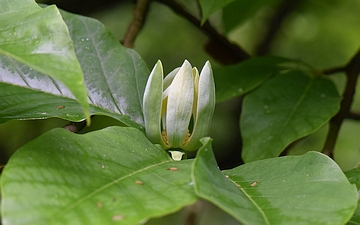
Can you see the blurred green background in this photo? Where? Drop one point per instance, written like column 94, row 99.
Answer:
column 323, row 33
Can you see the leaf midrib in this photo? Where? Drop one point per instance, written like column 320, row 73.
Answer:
column 252, row 201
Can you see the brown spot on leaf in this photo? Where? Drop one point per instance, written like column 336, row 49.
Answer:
column 172, row 169
column 117, row 217
column 139, row 182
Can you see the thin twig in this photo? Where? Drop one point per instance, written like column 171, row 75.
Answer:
column 352, row 71
column 334, row 70
column 231, row 53
column 140, row 11
column 353, row 115
column 1, row 168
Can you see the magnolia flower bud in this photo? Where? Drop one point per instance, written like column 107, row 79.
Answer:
column 178, row 109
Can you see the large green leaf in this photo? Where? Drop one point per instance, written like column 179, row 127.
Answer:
column 39, row 38
column 236, row 80
column 284, row 109
column 114, row 76
column 27, row 103
column 308, row 189
column 109, row 175
column 210, row 6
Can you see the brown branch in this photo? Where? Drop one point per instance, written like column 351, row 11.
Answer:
column 352, row 70
column 353, row 115
column 1, row 168
column 285, row 8
column 140, row 11
column 219, row 46
column 191, row 216
column 334, row 70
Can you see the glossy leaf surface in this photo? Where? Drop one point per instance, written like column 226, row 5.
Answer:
column 32, row 104
column 111, row 175
column 39, row 38
column 111, row 72
column 114, row 75
column 284, row 109
column 287, row 190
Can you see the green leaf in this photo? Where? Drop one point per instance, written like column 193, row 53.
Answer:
column 286, row 190
column 114, row 76
column 237, row 12
column 355, row 219
column 354, row 176
column 237, row 80
column 210, row 6
column 23, row 103
column 284, row 109
column 110, row 175
column 39, row 38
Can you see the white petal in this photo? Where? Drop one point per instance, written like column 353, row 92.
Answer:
column 179, row 106
column 152, row 103
column 205, row 108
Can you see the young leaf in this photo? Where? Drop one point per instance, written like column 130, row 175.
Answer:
column 237, row 80
column 210, row 6
column 284, row 109
column 237, row 12
column 114, row 76
column 39, row 38
column 287, row 190
column 110, row 175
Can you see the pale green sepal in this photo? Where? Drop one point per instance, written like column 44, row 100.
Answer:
column 152, row 103
column 176, row 155
column 205, row 108
column 179, row 106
